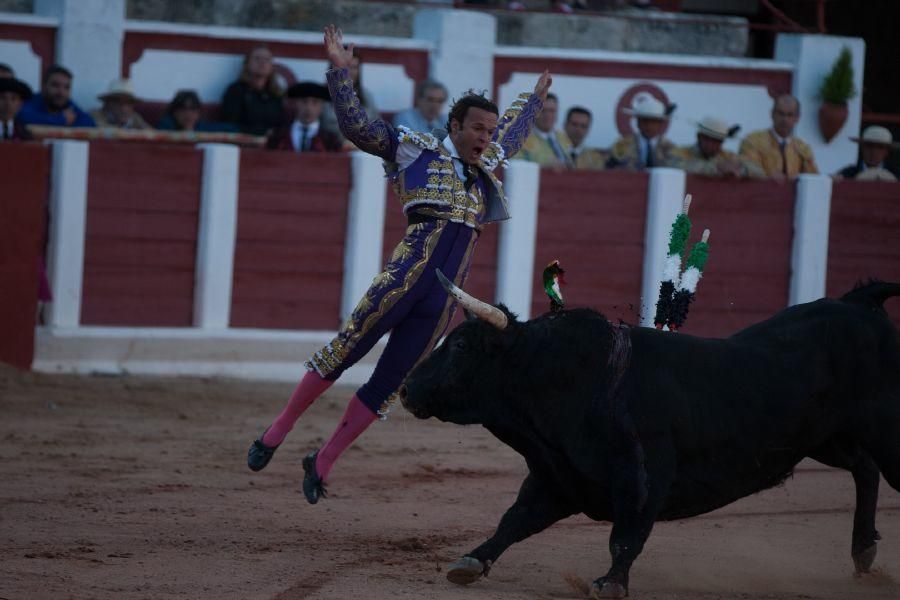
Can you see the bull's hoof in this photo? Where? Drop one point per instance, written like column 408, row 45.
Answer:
column 466, row 570
column 863, row 560
column 608, row 589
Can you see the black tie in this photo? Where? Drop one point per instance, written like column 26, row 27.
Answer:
column 304, row 133
column 649, row 162
column 574, row 157
column 7, row 134
column 781, row 145
column 471, row 176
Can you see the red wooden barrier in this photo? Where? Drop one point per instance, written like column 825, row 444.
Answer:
column 24, row 171
column 289, row 258
column 482, row 280
column 864, row 237
column 748, row 274
column 141, row 239
column 594, row 224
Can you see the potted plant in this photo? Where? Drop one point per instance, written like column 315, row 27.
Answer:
column 836, row 90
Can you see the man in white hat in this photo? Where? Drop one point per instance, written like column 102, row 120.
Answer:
column 118, row 107
column 875, row 145
column 648, row 147
column 707, row 157
column 780, row 154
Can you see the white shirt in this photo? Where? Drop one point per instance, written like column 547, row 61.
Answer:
column 10, row 127
column 645, row 146
column 296, row 135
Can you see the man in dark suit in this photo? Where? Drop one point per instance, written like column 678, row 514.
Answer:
column 13, row 93
column 305, row 102
column 875, row 145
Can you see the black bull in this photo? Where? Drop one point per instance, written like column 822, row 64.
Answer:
column 683, row 426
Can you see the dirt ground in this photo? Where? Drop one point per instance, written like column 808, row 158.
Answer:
column 131, row 487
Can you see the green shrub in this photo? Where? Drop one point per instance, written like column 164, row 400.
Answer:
column 838, row 85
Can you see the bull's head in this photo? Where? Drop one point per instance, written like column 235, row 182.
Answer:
column 462, row 379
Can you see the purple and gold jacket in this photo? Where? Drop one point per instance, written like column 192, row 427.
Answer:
column 430, row 184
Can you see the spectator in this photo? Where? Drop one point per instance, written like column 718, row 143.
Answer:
column 648, row 147
column 329, row 120
column 54, row 106
column 118, row 107
column 707, row 157
column 426, row 115
column 6, row 71
column 578, row 124
column 183, row 114
column 558, row 6
column 776, row 150
column 874, row 146
column 306, row 101
column 12, row 94
column 253, row 103
column 546, row 145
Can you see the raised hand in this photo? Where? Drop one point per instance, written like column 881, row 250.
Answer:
column 543, row 85
column 339, row 56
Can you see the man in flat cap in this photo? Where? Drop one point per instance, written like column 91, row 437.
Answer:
column 707, row 157
column 875, row 145
column 13, row 93
column 305, row 102
column 648, row 147
column 778, row 151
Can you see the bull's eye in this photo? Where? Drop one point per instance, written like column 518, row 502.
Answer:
column 460, row 344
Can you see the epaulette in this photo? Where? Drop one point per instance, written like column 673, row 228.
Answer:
column 426, row 141
column 493, row 156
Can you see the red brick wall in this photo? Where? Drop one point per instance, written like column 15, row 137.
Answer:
column 24, row 171
column 289, row 258
column 141, row 239
column 864, row 237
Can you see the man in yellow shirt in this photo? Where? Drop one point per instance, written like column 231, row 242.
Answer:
column 578, row 124
column 707, row 157
column 547, row 146
column 776, row 150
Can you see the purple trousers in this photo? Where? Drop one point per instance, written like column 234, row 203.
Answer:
column 406, row 299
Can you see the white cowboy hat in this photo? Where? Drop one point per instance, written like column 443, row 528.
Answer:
column 648, row 107
column 119, row 87
column 716, row 128
column 875, row 134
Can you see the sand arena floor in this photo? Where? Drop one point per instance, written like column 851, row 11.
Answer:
column 131, row 487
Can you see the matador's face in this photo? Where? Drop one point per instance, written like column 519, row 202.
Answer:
column 472, row 137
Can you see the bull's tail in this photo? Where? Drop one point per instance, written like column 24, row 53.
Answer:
column 873, row 293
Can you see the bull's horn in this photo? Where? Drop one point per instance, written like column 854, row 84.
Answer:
column 482, row 310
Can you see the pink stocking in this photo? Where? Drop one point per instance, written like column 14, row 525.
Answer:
column 310, row 387
column 356, row 419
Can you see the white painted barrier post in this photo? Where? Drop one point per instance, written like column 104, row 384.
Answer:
column 216, row 236
column 518, row 236
column 68, row 215
column 809, row 252
column 365, row 229
column 664, row 199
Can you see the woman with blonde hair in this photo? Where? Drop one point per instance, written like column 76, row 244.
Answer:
column 253, row 102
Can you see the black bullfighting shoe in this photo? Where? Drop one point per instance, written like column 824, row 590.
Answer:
column 259, row 454
column 313, row 486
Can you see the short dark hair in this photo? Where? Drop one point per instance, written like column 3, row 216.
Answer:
column 552, row 96
column 55, row 69
column 470, row 99
column 183, row 99
column 429, row 84
column 578, row 110
column 8, row 69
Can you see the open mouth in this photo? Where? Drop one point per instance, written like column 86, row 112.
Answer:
column 477, row 150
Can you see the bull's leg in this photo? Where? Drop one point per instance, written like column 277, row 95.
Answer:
column 536, row 508
column 846, row 455
column 637, row 501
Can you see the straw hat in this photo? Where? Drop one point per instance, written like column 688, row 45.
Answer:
column 120, row 88
column 648, row 107
column 716, row 128
column 875, row 134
